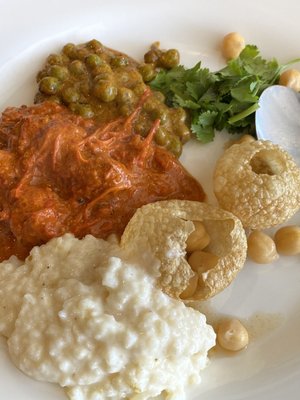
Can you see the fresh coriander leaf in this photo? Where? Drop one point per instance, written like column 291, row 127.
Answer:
column 203, row 134
column 243, row 93
column 203, row 126
column 185, row 102
column 227, row 98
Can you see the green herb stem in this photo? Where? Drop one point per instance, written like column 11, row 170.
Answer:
column 237, row 117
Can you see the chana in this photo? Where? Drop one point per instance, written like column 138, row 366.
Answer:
column 291, row 79
column 202, row 261
column 190, row 289
column 198, row 239
column 287, row 240
column 232, row 45
column 232, row 335
column 261, row 248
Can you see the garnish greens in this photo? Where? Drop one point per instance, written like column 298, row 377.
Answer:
column 226, row 99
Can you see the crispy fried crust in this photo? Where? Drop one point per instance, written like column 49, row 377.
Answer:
column 165, row 227
column 259, row 183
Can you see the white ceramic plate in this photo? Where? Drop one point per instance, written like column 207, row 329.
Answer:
column 266, row 297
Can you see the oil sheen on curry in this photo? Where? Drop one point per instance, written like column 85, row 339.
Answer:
column 60, row 172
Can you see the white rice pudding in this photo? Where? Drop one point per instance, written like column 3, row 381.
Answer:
column 88, row 316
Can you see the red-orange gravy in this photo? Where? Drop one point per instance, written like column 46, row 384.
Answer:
column 61, row 173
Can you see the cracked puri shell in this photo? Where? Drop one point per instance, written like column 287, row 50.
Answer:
column 259, row 182
column 164, row 227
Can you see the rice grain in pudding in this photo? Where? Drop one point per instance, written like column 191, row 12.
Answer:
column 89, row 317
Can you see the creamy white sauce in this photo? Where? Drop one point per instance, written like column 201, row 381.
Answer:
column 89, row 317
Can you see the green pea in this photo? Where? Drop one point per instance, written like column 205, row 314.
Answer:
column 49, row 85
column 174, row 145
column 160, row 112
column 102, row 70
column 54, row 99
column 126, row 96
column 85, row 110
column 142, row 126
column 179, row 114
column 147, row 71
column 70, row 50
column 123, row 77
column 183, row 132
column 162, row 137
column 59, row 72
column 159, row 96
column 85, row 87
column 139, row 89
column 70, row 95
column 105, row 90
column 82, row 53
column 151, row 57
column 119, row 61
column 169, row 59
column 93, row 60
column 95, row 45
column 126, row 109
column 77, row 68
column 41, row 74
column 55, row 59
column 39, row 98
column 150, row 104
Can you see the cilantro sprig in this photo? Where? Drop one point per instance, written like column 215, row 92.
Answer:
column 226, row 99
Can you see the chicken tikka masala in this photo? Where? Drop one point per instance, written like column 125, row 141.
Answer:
column 64, row 173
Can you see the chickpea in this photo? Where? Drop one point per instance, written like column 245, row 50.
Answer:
column 232, row 45
column 202, row 261
column 232, row 335
column 291, row 79
column 198, row 239
column 190, row 289
column 287, row 240
column 261, row 248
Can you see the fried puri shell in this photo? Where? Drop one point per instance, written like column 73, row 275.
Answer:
column 165, row 226
column 258, row 182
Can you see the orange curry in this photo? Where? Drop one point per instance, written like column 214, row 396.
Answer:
column 62, row 173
